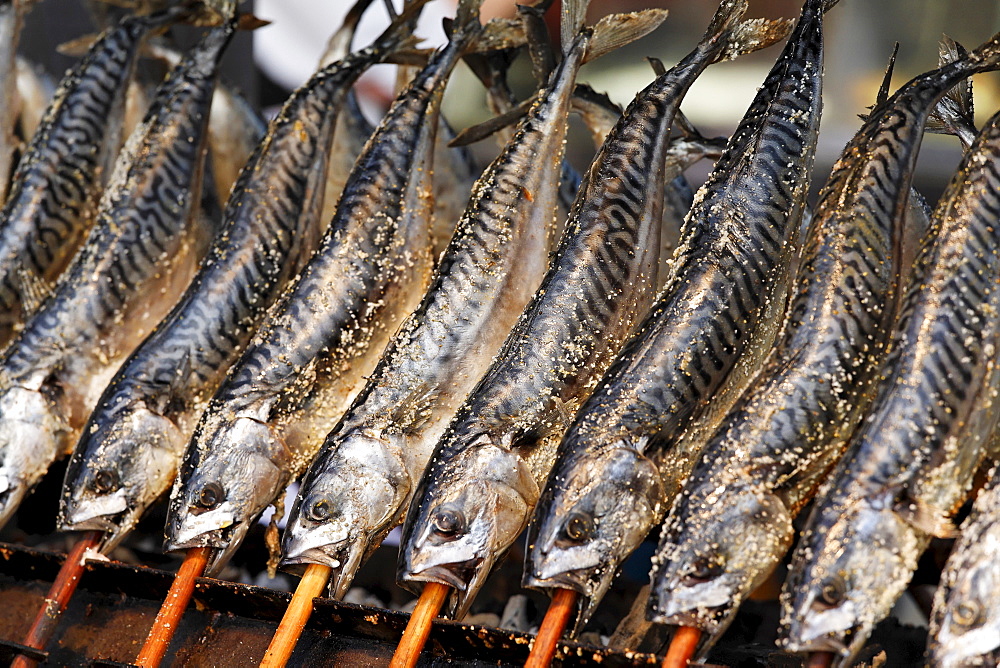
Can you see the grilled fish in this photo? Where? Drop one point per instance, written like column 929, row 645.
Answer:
column 361, row 483
column 324, row 335
column 136, row 436
column 60, row 176
column 11, row 18
column 137, row 260
column 484, row 477
column 911, row 462
column 623, row 457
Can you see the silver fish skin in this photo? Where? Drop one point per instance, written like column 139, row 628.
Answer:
column 363, row 479
column 11, row 19
column 59, row 179
column 627, row 451
column 484, row 477
column 142, row 251
column 911, row 463
column 136, row 436
column 965, row 621
column 35, row 89
column 298, row 374
column 235, row 129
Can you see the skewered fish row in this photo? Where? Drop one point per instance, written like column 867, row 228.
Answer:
column 290, row 315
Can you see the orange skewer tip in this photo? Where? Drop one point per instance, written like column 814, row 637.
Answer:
column 419, row 626
column 173, row 607
column 294, row 620
column 820, row 660
column 551, row 630
column 58, row 597
column 682, row 647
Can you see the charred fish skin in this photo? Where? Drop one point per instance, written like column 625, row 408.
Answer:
column 143, row 248
column 732, row 523
column 57, row 183
column 711, row 324
column 911, row 461
column 147, row 414
column 363, row 479
column 484, row 477
column 294, row 380
column 965, row 622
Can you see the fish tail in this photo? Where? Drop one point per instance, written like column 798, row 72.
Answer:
column 466, row 24
column 742, row 36
column 571, row 22
column 617, row 30
column 954, row 113
column 339, row 44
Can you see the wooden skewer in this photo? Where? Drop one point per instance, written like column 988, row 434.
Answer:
column 551, row 630
column 58, row 597
column 682, row 647
column 419, row 627
column 294, row 620
column 820, row 660
column 173, row 607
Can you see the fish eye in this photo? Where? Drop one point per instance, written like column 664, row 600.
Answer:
column 210, row 496
column 320, row 509
column 832, row 591
column 707, row 568
column 579, row 527
column 966, row 613
column 448, row 522
column 105, row 481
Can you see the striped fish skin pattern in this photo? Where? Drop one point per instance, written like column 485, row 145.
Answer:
column 709, row 330
column 271, row 226
column 58, row 182
column 488, row 273
column 142, row 251
column 911, row 462
column 484, row 476
column 965, row 621
column 324, row 335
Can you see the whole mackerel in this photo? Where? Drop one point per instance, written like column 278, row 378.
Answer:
column 59, row 179
column 361, row 483
column 732, row 523
column 139, row 257
column 484, row 477
column 911, row 463
column 132, row 446
column 298, row 375
column 712, row 325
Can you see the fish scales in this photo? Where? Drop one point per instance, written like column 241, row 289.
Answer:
column 709, row 330
column 911, row 462
column 57, row 183
column 485, row 278
column 297, row 375
column 138, row 258
column 484, row 476
column 146, row 416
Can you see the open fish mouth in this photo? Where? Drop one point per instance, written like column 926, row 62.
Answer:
column 343, row 559
column 455, row 575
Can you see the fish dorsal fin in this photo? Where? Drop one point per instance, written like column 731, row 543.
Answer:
column 923, row 517
column 885, row 86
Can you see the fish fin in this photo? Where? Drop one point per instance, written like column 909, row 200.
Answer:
column 926, row 518
column 466, row 22
column 78, row 46
column 400, row 42
column 339, row 44
column 617, row 30
column 885, row 87
column 954, row 113
column 659, row 69
column 478, row 132
column 499, row 34
column 34, row 290
column 741, row 36
column 571, row 21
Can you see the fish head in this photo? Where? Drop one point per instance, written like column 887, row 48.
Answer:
column 349, row 501
column 718, row 546
column 126, row 458
column 965, row 626
column 846, row 575
column 224, row 485
column 471, row 512
column 32, row 435
column 590, row 518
